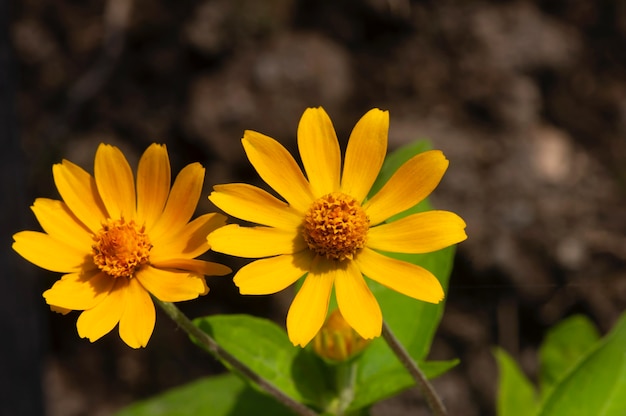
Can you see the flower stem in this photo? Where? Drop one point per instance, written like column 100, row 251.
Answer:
column 433, row 400
column 218, row 352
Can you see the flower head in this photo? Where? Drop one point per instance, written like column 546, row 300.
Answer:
column 118, row 243
column 327, row 229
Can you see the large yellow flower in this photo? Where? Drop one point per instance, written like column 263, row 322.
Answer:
column 328, row 229
column 118, row 244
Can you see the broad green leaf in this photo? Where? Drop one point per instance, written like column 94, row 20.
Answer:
column 564, row 345
column 597, row 384
column 516, row 394
column 223, row 395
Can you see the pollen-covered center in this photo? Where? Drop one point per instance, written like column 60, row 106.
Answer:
column 335, row 226
column 120, row 248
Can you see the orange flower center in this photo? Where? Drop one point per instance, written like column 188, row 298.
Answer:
column 120, row 248
column 335, row 226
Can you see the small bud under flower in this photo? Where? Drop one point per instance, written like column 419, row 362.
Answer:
column 337, row 341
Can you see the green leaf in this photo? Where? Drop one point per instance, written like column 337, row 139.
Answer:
column 223, row 395
column 597, row 384
column 564, row 345
column 516, row 394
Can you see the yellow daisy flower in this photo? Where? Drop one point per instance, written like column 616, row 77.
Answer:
column 118, row 243
column 328, row 230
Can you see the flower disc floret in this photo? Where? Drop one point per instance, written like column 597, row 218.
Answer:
column 121, row 247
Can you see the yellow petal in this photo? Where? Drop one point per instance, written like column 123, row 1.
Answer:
column 79, row 291
column 411, row 183
column 418, row 233
column 267, row 276
column 356, row 302
column 57, row 220
column 307, row 312
column 319, row 151
column 102, row 318
column 278, row 169
column 254, row 242
column 205, row 268
column 79, row 191
column 153, row 184
column 181, row 203
column 253, row 204
column 406, row 278
column 190, row 242
column 115, row 181
column 365, row 153
column 49, row 253
column 170, row 286
column 137, row 320
column 58, row 309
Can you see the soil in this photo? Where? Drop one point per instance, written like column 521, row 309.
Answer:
column 527, row 99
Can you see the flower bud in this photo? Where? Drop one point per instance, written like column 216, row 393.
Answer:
column 337, row 341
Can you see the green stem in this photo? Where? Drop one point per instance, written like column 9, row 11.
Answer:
column 218, row 352
column 433, row 400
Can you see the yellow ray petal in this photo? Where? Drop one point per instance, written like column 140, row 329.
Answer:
column 307, row 312
column 170, row 286
column 254, row 242
column 115, row 182
column 48, row 253
column 319, row 151
column 365, row 153
column 205, row 268
column 190, row 242
column 356, row 302
column 137, row 320
column 406, row 278
column 153, row 184
column 418, row 233
column 102, row 318
column 411, row 183
column 267, row 276
column 278, row 169
column 79, row 191
column 79, row 291
column 181, row 203
column 253, row 204
column 57, row 220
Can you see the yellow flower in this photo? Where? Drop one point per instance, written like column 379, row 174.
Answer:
column 328, row 229
column 118, row 244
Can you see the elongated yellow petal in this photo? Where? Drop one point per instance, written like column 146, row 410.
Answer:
column 137, row 320
column 307, row 312
column 171, row 286
column 406, row 278
column 79, row 291
column 271, row 275
column 411, row 183
column 49, row 253
column 102, row 318
column 418, row 233
column 278, row 169
column 254, row 242
column 79, row 191
column 115, row 182
column 181, row 203
column 319, row 151
column 356, row 302
column 253, row 204
column 153, row 184
column 365, row 154
column 205, row 268
column 190, row 242
column 60, row 223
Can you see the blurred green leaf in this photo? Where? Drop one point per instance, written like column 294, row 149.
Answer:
column 597, row 384
column 516, row 394
column 223, row 395
column 564, row 345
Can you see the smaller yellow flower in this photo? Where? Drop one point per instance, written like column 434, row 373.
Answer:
column 337, row 341
column 117, row 243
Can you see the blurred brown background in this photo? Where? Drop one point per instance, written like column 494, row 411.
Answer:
column 526, row 98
